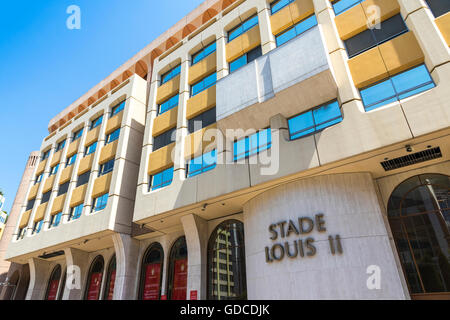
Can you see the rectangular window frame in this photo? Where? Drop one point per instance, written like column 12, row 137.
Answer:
column 96, row 122
column 254, row 150
column 71, row 160
column 294, row 27
column 118, row 108
column 204, row 87
column 257, row 50
column 113, row 136
column 202, row 54
column 76, row 212
column 60, row 145
column 169, row 75
column 37, row 227
column 245, row 28
column 348, row 7
column 77, row 134
column 204, row 166
column 164, row 139
column 106, row 167
column 204, row 119
column 164, row 182
column 100, row 203
column 169, row 104
column 284, row 3
column 83, row 179
column 55, row 220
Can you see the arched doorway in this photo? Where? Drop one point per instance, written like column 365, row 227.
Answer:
column 151, row 273
column 63, row 286
column 95, row 276
column 178, row 269
column 110, row 279
column 53, row 284
column 226, row 262
column 419, row 216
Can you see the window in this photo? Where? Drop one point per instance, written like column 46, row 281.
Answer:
column 395, row 88
column 106, row 168
column 96, row 122
column 315, row 120
column 60, row 145
column 203, row 84
column 22, row 233
column 226, row 261
column 100, row 203
column 71, row 160
column 77, row 134
column 83, row 178
column 45, row 155
column 75, row 212
column 178, row 269
column 63, row 188
column 113, row 136
column 242, row 27
column 55, row 220
column 38, row 178
column 30, row 204
column 202, row 54
column 341, row 6
column 169, row 75
column 46, row 197
column 296, row 30
column 164, row 139
column 151, row 273
column 54, row 170
column 204, row 163
column 439, row 7
column 168, row 104
column 202, row 120
column 278, row 5
column 390, row 28
column 245, row 59
column 252, row 145
column 91, row 149
column 37, row 227
column 161, row 179
column 110, row 280
column 94, row 279
column 118, row 108
column 53, row 284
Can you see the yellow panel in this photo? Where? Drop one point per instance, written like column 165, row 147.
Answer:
column 168, row 90
column 24, row 220
column 388, row 8
column 161, row 159
column 401, row 53
column 201, row 102
column 58, row 205
column 92, row 136
column 40, row 212
column 281, row 20
column 443, row 23
column 101, row 185
column 203, row 68
column 49, row 184
column 367, row 68
column 56, row 158
column 234, row 49
column 301, row 9
column 86, row 164
column 114, row 123
column 73, row 148
column 251, row 39
column 33, row 191
column 194, row 144
column 66, row 174
column 78, row 196
column 41, row 167
column 351, row 22
column 108, row 152
column 166, row 121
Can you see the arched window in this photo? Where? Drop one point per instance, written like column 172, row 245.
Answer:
column 178, row 268
column 110, row 279
column 226, row 262
column 151, row 273
column 63, row 286
column 419, row 216
column 53, row 284
column 95, row 276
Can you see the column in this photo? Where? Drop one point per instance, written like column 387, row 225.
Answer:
column 268, row 42
column 77, row 269
column 39, row 272
column 222, row 64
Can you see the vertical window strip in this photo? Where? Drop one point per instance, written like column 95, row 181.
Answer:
column 55, row 220
column 75, row 212
column 204, row 163
column 296, row 30
column 100, row 203
column 252, row 145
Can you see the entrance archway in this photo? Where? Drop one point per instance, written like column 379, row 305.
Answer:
column 95, row 277
column 419, row 216
column 178, row 270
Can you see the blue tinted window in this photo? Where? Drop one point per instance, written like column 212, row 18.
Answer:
column 91, row 149
column 38, row 179
column 77, row 134
column 37, row 227
column 71, row 160
column 115, row 110
column 253, row 144
column 100, row 203
column 202, row 164
column 55, row 220
column 54, row 170
column 341, row 6
column 202, row 54
column 106, row 168
column 60, row 145
column 398, row 87
column 242, row 28
column 95, row 123
column 315, row 120
column 75, row 212
column 278, row 5
column 45, row 155
column 161, row 179
column 296, row 30
column 113, row 136
column 169, row 104
column 203, row 84
column 246, row 58
column 170, row 74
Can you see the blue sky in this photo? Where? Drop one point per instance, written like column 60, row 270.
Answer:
column 44, row 66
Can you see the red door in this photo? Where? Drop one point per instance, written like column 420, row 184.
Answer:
column 112, row 281
column 152, row 282
column 53, row 291
column 94, row 286
column 180, row 280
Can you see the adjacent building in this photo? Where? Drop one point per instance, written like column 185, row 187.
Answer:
column 256, row 150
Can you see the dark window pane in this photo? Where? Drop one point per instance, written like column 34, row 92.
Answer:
column 83, row 179
column 63, row 188
column 164, row 139
column 46, row 197
column 439, row 7
column 359, row 43
column 390, row 28
column 30, row 204
column 202, row 120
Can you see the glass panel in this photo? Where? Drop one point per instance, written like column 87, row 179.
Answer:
column 279, row 5
column 344, row 5
column 301, row 125
column 378, row 95
column 306, row 24
column 250, row 23
column 285, row 37
column 240, row 148
column 439, row 7
column 359, row 43
column 412, row 81
column 327, row 116
column 234, row 33
column 238, row 63
column 390, row 28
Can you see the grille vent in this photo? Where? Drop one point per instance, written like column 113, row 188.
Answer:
column 411, row 159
